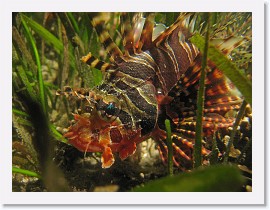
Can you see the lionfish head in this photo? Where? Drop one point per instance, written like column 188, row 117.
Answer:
column 101, row 125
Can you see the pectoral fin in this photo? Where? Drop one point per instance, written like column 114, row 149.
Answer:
column 127, row 150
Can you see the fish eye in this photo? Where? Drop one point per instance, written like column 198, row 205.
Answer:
column 108, row 109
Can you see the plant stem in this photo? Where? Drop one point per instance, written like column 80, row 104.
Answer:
column 169, row 145
column 235, row 125
column 200, row 101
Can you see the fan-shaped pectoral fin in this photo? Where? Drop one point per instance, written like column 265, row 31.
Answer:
column 128, row 149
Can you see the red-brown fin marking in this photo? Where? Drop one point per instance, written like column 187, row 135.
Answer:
column 219, row 88
column 90, row 60
column 188, row 78
column 222, row 90
column 222, row 108
column 127, row 34
column 179, row 156
column 113, row 50
column 163, row 150
column 181, row 152
column 211, row 121
column 182, row 156
column 183, row 140
column 222, row 99
column 145, row 41
column 191, row 76
column 188, row 133
column 216, row 118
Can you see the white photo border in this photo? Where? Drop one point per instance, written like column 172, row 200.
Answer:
column 257, row 196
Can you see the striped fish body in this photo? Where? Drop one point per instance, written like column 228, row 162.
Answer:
column 154, row 79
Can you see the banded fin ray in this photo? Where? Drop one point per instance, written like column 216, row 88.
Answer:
column 94, row 62
column 145, row 41
column 178, row 23
column 115, row 53
column 127, row 35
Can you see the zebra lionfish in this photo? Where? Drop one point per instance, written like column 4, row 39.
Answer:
column 155, row 78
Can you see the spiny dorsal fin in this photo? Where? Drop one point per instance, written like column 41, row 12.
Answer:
column 105, row 38
column 137, row 25
column 178, row 23
column 145, row 41
column 127, row 34
column 90, row 60
column 158, row 29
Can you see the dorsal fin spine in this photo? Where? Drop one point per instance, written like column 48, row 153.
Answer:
column 106, row 40
column 94, row 62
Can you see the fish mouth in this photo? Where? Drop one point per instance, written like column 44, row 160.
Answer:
column 88, row 135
